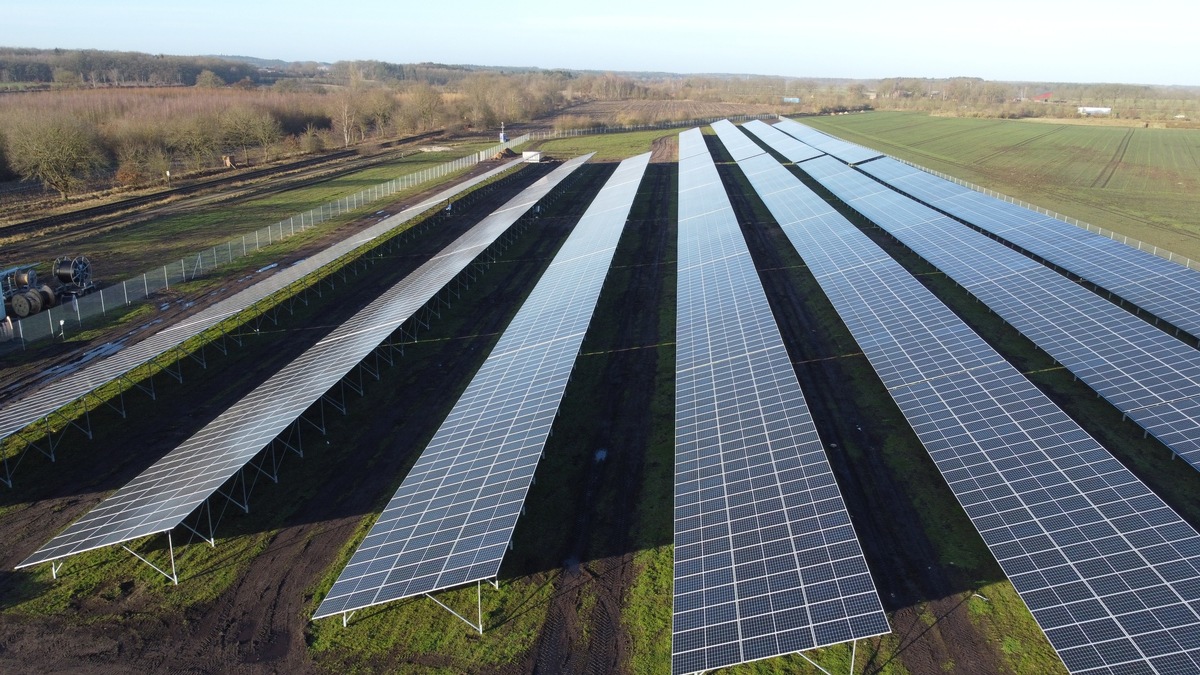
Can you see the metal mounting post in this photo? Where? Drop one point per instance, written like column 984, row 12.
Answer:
column 171, row 551
column 478, row 607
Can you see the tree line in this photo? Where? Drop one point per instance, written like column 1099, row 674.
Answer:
column 92, row 67
column 88, row 138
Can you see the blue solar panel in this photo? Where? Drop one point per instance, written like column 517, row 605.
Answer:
column 1162, row 288
column 452, row 518
column 1109, row 571
column 836, row 147
column 786, row 145
column 766, row 560
column 1148, row 375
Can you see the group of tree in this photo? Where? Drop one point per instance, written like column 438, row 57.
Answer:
column 69, row 139
column 92, row 67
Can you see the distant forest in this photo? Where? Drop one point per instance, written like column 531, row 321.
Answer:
column 78, row 120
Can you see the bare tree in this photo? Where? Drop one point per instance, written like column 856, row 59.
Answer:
column 425, row 102
column 59, row 151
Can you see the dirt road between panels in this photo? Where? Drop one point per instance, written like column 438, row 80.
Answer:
column 584, row 631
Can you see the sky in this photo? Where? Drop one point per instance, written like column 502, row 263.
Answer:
column 1017, row 40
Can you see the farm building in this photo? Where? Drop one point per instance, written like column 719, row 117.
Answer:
column 1089, row 110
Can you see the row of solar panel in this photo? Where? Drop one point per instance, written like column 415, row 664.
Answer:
column 452, row 518
column 1158, row 286
column 1109, row 571
column 766, row 560
column 166, row 493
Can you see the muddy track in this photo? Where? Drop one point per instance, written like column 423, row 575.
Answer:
column 599, row 564
column 1107, row 172
column 204, row 186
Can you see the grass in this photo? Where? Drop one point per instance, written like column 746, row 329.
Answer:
column 608, row 147
column 182, row 235
column 1141, row 182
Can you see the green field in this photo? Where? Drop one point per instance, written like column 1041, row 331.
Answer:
column 608, row 147
column 1140, row 182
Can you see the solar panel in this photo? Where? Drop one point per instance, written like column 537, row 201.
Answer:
column 1162, row 288
column 163, row 496
column 843, row 150
column 786, row 145
column 766, row 559
column 452, row 518
column 1148, row 375
column 20, row 412
column 1109, row 571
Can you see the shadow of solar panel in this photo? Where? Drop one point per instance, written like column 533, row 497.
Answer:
column 480, row 463
column 1109, row 571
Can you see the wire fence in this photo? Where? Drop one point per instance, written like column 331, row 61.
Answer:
column 75, row 311
column 1115, row 236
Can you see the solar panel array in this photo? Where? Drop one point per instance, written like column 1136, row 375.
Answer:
column 766, row 559
column 20, row 412
column 452, row 518
column 1150, row 376
column 843, row 150
column 786, row 145
column 1162, row 288
column 1109, row 571
column 163, row 496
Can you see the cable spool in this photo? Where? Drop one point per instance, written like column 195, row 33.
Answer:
column 77, row 270
column 25, row 278
column 20, row 305
column 35, row 301
column 49, row 298
column 6, row 330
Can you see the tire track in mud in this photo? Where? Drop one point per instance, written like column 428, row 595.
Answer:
column 1109, row 169
column 1015, row 146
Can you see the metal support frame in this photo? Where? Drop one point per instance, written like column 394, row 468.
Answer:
column 853, row 656
column 173, row 576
